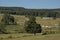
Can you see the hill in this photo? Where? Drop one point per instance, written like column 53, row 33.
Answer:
column 31, row 12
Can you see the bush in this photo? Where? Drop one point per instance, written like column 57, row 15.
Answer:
column 8, row 19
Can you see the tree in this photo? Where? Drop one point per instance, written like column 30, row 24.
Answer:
column 8, row 19
column 32, row 26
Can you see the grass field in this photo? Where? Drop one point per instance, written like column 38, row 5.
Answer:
column 21, row 22
column 39, row 20
column 25, row 36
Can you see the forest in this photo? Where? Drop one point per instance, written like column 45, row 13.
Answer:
column 55, row 13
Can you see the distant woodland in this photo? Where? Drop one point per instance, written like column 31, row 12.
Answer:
column 55, row 13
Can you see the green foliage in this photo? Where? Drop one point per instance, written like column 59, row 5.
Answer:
column 34, row 12
column 32, row 26
column 8, row 19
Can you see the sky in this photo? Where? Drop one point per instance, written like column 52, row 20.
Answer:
column 38, row 4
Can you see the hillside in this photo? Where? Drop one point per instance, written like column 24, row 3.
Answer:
column 55, row 13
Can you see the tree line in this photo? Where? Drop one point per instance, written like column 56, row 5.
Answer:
column 55, row 13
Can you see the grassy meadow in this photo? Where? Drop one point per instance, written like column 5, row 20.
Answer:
column 21, row 23
column 39, row 20
column 26, row 36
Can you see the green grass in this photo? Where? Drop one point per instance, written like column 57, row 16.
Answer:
column 38, row 20
column 20, row 25
column 14, row 28
column 24, row 36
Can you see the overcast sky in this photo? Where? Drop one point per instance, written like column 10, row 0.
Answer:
column 31, row 3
